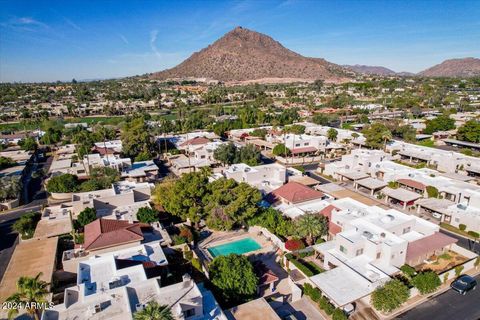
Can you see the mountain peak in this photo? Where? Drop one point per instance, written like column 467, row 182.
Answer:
column 242, row 54
column 462, row 67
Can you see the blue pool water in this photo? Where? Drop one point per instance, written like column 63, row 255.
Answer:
column 238, row 247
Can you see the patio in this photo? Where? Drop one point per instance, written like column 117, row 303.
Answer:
column 442, row 262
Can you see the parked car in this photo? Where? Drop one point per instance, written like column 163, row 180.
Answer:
column 463, row 284
column 349, row 309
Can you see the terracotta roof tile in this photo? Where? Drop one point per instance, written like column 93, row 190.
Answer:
column 427, row 245
column 195, row 141
column 412, row 183
column 294, row 192
column 103, row 233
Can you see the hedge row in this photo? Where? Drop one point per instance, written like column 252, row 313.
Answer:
column 316, row 295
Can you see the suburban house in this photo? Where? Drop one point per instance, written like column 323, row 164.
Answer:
column 141, row 171
column 266, row 178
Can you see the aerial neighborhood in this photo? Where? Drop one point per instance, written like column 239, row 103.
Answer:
column 291, row 188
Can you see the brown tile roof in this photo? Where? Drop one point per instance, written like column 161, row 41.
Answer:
column 427, row 245
column 334, row 228
column 412, row 183
column 265, row 275
column 103, row 151
column 327, row 211
column 304, row 149
column 195, row 141
column 294, row 192
column 104, row 233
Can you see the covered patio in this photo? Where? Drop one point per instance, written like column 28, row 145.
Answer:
column 404, row 197
column 371, row 184
column 305, row 151
column 437, row 207
column 352, row 175
column 412, row 185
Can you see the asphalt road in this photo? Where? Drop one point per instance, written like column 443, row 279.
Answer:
column 448, row 306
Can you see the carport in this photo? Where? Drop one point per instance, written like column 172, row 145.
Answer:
column 405, row 197
column 371, row 184
column 434, row 205
column 352, row 175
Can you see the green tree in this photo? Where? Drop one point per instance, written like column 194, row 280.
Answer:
column 281, row 150
column 226, row 153
column 136, row 140
column 440, row 123
column 426, row 282
column 233, row 278
column 87, row 216
column 261, row 133
column 229, row 203
column 28, row 144
column 51, row 136
column 432, row 192
column 295, row 129
column 31, row 292
column 390, row 296
column 311, row 226
column 147, row 215
column 154, row 311
column 376, row 135
column 6, row 163
column 26, row 224
column 274, row 221
column 63, row 183
column 470, row 131
column 332, row 134
column 183, row 197
column 249, row 155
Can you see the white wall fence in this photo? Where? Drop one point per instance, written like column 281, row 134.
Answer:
column 298, row 160
column 275, row 240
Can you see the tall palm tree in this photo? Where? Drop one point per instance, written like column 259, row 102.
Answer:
column 312, row 225
column 30, row 292
column 154, row 311
column 386, row 136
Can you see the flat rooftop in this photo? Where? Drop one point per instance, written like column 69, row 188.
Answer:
column 29, row 258
column 255, row 309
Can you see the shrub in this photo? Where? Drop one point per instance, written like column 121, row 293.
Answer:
column 79, row 238
column 86, row 216
column 188, row 255
column 458, row 270
column 301, row 267
column 426, row 282
column 178, row 240
column 408, row 271
column 186, row 233
column 196, row 264
column 462, row 227
column 445, row 277
column 390, row 296
column 329, row 308
column 445, row 256
column 294, row 245
column 432, row 192
column 473, row 234
column 319, row 241
column 338, row 314
column 307, row 289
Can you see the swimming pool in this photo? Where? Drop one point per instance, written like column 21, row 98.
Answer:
column 238, row 247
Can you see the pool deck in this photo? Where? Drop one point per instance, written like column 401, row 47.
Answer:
column 223, row 237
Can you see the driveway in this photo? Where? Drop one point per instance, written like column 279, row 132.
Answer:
column 302, row 309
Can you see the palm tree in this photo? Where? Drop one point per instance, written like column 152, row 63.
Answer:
column 31, row 292
column 386, row 136
column 312, row 225
column 154, row 311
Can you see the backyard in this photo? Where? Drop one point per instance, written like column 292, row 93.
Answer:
column 443, row 262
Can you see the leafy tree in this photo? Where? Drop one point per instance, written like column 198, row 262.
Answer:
column 407, row 133
column 28, row 144
column 136, row 139
column 226, row 153
column 63, row 183
column 281, row 150
column 249, row 155
column 432, row 192
column 10, row 187
column 100, row 178
column 31, row 292
column 376, row 135
column 51, row 136
column 147, row 215
column 470, row 131
column 440, row 123
column 274, row 221
column 233, row 278
column 87, row 216
column 229, row 203
column 154, row 311
column 332, row 134
column 390, row 296
column 6, row 163
column 261, row 133
column 295, row 129
column 183, row 197
column 26, row 224
column 338, row 314
column 311, row 226
column 426, row 282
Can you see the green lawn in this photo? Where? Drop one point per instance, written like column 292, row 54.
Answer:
column 455, row 230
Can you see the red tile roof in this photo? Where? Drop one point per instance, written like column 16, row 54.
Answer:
column 265, row 275
column 327, row 211
column 294, row 192
column 305, row 149
column 103, row 151
column 195, row 141
column 427, row 245
column 334, row 228
column 412, row 183
column 104, row 233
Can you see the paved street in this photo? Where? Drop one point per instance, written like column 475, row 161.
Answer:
column 447, row 306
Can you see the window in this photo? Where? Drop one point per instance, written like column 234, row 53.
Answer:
column 406, row 230
column 393, row 256
column 306, row 144
column 297, row 145
column 189, row 313
column 359, row 252
column 343, row 249
column 379, row 254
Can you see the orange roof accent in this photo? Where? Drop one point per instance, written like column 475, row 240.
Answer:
column 327, row 211
column 412, row 183
column 294, row 192
column 195, row 141
column 304, row 149
column 104, row 233
column 427, row 245
column 334, row 228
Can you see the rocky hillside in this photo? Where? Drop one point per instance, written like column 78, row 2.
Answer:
column 242, row 55
column 467, row 67
column 377, row 70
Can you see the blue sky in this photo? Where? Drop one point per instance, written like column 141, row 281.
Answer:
column 60, row 40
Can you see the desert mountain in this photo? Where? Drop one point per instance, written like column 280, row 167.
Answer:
column 242, row 55
column 377, row 70
column 466, row 67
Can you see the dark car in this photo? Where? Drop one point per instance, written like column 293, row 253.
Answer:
column 463, row 284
